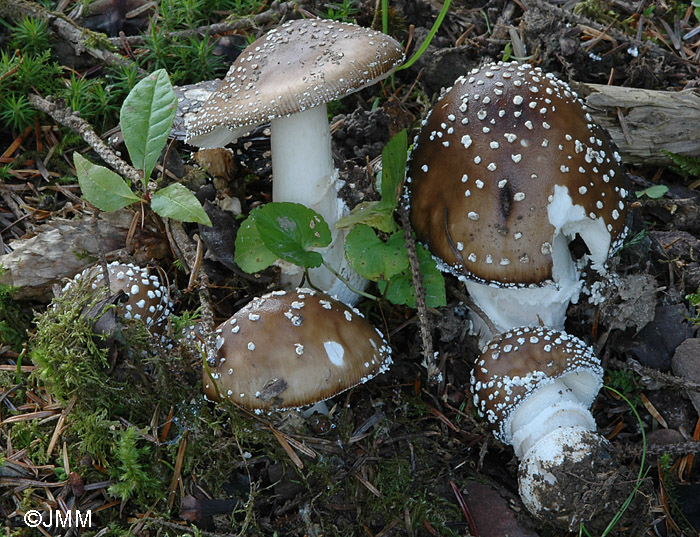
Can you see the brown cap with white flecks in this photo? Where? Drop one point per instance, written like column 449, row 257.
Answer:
column 148, row 298
column 506, row 156
column 291, row 349
column 299, row 65
column 517, row 363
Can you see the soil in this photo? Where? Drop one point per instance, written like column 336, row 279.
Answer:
column 399, row 455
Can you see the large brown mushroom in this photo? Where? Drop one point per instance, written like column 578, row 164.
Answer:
column 286, row 77
column 507, row 170
column 289, row 349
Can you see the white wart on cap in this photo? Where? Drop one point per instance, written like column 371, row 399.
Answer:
column 291, row 349
column 286, row 77
column 532, row 380
column 508, row 168
column 148, row 299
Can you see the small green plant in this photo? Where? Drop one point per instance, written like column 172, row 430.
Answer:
column 146, row 118
column 374, row 246
column 343, row 11
column 627, row 383
column 16, row 112
column 685, row 166
column 31, row 35
column 132, row 473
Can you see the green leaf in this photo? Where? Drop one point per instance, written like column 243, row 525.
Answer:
column 146, row 118
column 654, row 192
column 290, row 229
column 178, row 202
column 399, row 289
column 394, row 157
column 372, row 258
column 102, row 187
column 250, row 253
column 370, row 213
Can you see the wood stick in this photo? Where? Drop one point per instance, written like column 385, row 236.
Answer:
column 653, row 121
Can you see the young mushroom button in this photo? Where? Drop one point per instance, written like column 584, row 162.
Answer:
column 508, row 168
column 535, row 387
column 286, row 77
column 289, row 349
column 148, row 299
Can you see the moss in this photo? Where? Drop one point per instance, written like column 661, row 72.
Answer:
column 14, row 321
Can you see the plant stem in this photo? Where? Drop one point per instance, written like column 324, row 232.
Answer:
column 347, row 283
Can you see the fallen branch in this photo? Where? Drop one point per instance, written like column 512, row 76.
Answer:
column 80, row 39
column 72, row 120
column 60, row 250
column 644, row 123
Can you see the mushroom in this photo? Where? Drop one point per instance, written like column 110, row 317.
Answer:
column 286, row 77
column 148, row 299
column 535, row 387
column 508, row 169
column 289, row 349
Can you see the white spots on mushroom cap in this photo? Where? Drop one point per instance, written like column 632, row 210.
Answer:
column 284, row 358
column 331, row 59
column 144, row 291
column 536, row 356
column 512, row 104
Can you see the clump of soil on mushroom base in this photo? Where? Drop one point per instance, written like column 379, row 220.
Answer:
column 590, row 491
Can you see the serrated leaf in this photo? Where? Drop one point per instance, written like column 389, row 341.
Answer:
column 102, row 187
column 251, row 254
column 370, row 213
column 146, row 118
column 178, row 202
column 373, row 258
column 399, row 289
column 289, row 230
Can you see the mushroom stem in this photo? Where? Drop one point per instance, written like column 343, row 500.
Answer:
column 302, row 165
column 302, row 162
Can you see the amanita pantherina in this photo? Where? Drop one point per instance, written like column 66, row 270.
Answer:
column 289, row 349
column 148, row 298
column 286, row 77
column 535, row 387
column 508, row 169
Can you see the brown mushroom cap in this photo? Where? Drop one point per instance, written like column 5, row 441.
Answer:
column 519, row 362
column 505, row 156
column 148, row 298
column 291, row 349
column 299, row 65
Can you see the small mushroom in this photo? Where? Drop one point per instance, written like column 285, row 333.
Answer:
column 535, row 387
column 508, row 169
column 289, row 349
column 147, row 300
column 286, row 77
